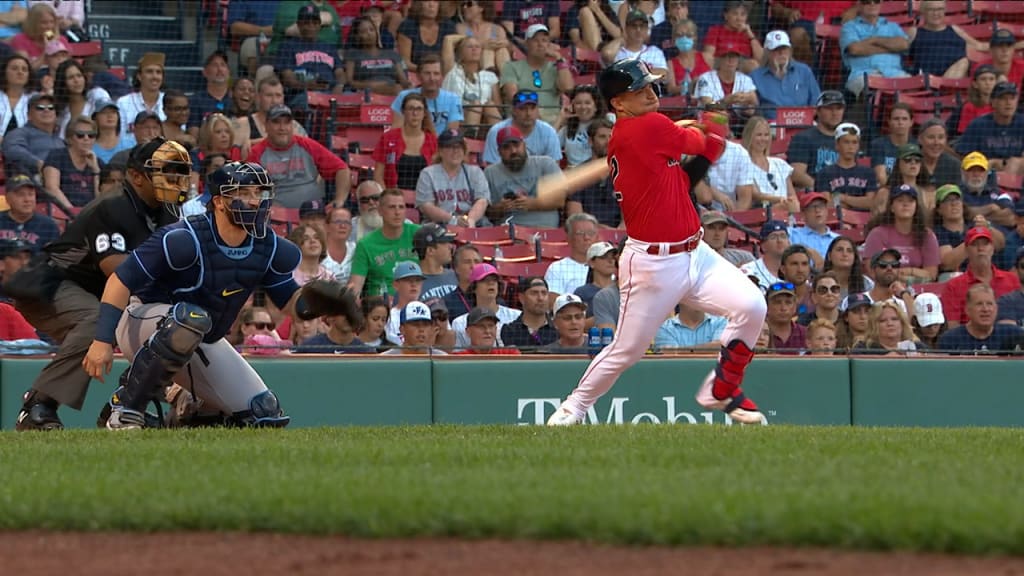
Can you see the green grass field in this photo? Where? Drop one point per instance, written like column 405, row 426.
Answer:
column 924, row 489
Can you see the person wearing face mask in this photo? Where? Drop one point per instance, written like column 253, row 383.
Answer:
column 687, row 63
column 783, row 81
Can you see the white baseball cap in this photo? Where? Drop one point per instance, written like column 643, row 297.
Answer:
column 847, row 129
column 598, row 249
column 928, row 309
column 534, row 28
column 568, row 300
column 415, row 311
column 777, row 39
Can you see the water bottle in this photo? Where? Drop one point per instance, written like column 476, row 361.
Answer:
column 685, row 84
column 498, row 254
column 607, row 335
column 594, row 342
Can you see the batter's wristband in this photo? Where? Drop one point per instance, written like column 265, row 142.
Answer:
column 106, row 324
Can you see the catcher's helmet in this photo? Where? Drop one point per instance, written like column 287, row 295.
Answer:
column 229, row 180
column 625, row 75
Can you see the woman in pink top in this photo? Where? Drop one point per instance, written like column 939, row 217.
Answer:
column 313, row 246
column 903, row 226
column 39, row 28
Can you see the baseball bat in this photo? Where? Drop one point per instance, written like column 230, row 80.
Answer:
column 553, row 189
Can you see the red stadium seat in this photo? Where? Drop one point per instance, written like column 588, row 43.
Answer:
column 517, row 253
column 497, row 235
column 612, row 235
column 1001, row 10
column 282, row 218
column 367, row 137
column 551, row 235
column 516, row 270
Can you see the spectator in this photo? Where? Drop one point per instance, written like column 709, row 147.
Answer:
column 813, row 149
column 663, row 34
column 15, row 253
column 688, row 64
column 72, row 94
column 1002, row 47
column 566, row 275
column 855, row 312
column 12, row 16
column 885, row 266
column 826, row 293
column 843, row 260
column 477, row 19
column 979, row 96
column 69, row 14
column 513, row 182
column 243, row 98
column 903, row 226
column 445, row 108
column 341, row 246
column 929, row 321
column 176, row 127
column 570, row 320
column 311, row 243
column 39, row 28
column 735, row 37
column 25, row 149
column 55, row 54
column 787, row 337
column 999, row 135
column 889, row 332
column 952, row 223
column 460, row 301
column 108, row 132
column 340, row 338
column 815, row 234
column 375, row 319
column 482, row 333
column 980, row 270
column 252, row 129
column 981, row 334
column 418, row 332
column 258, row 332
column 853, row 184
column 1011, row 305
column 251, row 22
column 386, row 24
column 537, row 74
column 633, row 44
column 286, row 26
column 452, row 191
column 216, row 97
column 943, row 166
column 690, row 329
column 602, row 259
column 872, row 45
column 591, row 25
column 404, row 152
column 146, row 127
column 149, row 97
column 532, row 329
column 98, row 73
column 909, row 169
column 773, row 182
column 368, row 66
column 470, row 80
column 1014, row 239
column 71, row 174
column 21, row 221
column 727, row 87
column 939, row 48
column 306, row 63
column 716, row 235
column 539, row 136
column 433, row 246
column 378, row 252
column 980, row 196
column 368, row 195
column 795, row 268
column 407, row 285
column 444, row 337
column 783, row 81
column 518, row 16
column 282, row 150
column 884, row 149
column 607, row 306
column 15, row 85
column 585, row 105
column 215, row 137
column 774, row 241
column 821, row 337
column 485, row 286
column 599, row 198
column 731, row 179
column 422, row 33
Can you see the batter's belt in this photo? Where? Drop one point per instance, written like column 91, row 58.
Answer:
column 688, row 245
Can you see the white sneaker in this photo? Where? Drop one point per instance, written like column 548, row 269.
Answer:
column 745, row 413
column 564, row 416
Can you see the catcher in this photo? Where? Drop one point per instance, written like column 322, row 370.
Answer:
column 186, row 285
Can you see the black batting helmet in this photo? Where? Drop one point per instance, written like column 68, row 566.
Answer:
column 625, row 75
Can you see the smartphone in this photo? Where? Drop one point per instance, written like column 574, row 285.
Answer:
column 510, row 196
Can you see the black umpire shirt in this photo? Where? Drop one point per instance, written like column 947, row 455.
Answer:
column 108, row 226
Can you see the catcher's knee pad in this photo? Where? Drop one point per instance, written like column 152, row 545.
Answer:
column 264, row 411
column 165, row 353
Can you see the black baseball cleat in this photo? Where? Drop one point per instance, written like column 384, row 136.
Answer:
column 38, row 415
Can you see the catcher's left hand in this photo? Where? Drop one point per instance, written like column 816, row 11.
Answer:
column 325, row 298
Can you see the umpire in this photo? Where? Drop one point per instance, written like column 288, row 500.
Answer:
column 77, row 265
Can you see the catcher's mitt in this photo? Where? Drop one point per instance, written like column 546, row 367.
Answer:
column 326, row 298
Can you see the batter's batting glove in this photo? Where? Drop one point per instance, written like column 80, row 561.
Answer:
column 325, row 298
column 715, row 123
column 714, row 147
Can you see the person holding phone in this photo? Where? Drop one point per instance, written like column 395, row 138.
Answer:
column 513, row 182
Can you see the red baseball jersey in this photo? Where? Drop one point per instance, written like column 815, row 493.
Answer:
column 653, row 191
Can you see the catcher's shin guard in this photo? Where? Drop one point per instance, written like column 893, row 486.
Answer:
column 732, row 363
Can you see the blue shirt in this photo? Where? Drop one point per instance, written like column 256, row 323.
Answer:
column 7, row 32
column 991, row 139
column 1011, row 307
column 258, row 12
column 797, row 88
column 39, row 230
column 309, row 60
column 1003, row 337
column 542, row 141
column 673, row 334
column 321, row 344
column 202, row 104
column 447, row 107
column 1006, row 259
column 887, row 64
column 807, row 237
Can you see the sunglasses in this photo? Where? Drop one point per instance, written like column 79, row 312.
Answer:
column 913, row 160
column 45, row 107
column 536, row 83
column 771, row 180
column 888, row 264
column 781, row 286
column 368, row 199
column 84, row 135
column 822, row 290
column 261, row 325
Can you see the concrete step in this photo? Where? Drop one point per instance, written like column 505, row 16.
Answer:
column 120, row 26
column 180, row 53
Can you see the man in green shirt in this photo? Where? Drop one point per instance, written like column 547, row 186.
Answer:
column 373, row 263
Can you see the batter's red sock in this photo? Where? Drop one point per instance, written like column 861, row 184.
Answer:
column 746, row 403
column 732, row 363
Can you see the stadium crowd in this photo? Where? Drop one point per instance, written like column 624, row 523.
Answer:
column 872, row 189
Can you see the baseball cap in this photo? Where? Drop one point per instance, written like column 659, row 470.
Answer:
column 1002, row 37
column 312, row 208
column 431, row 234
column 713, row 217
column 886, row 252
column 974, row 160
column 56, row 47
column 308, row 13
column 904, row 190
column 278, row 111
column 509, row 134
column 985, row 69
column 146, row 115
column 780, row 288
column 532, row 282
column 12, row 246
column 727, row 48
column 777, row 39
column 599, row 249
column 945, row 191
column 103, row 105
column 928, row 309
column 1004, row 89
column 847, row 129
column 408, row 269
column 773, row 226
column 636, row 15
column 830, row 97
column 534, row 28
column 39, row 96
column 909, row 150
column 481, row 271
column 567, row 300
column 479, row 314
column 975, row 233
column 525, row 97
column 450, row 137
column 415, row 311
column 855, row 301
column 806, row 199
column 216, row 54
column 19, row 181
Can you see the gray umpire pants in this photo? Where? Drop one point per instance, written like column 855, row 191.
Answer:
column 70, row 320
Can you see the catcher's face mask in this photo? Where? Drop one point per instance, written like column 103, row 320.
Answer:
column 248, row 195
column 170, row 171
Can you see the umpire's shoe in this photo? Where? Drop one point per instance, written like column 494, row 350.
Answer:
column 38, row 413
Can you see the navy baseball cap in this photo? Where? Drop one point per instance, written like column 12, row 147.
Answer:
column 1004, row 89
column 904, row 190
column 773, row 226
column 146, row 115
column 1002, row 37
column 830, row 97
column 308, row 13
column 12, row 246
column 312, row 208
column 450, row 137
column 524, row 97
column 855, row 301
column 279, row 111
column 886, row 252
column 431, row 234
column 19, row 181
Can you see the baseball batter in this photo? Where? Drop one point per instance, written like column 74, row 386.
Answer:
column 187, row 284
column 664, row 259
